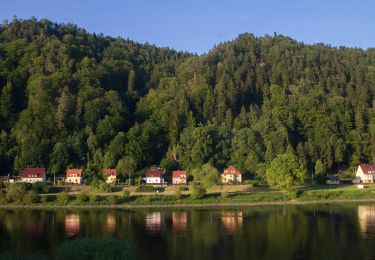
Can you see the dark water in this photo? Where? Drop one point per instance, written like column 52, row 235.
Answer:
column 264, row 232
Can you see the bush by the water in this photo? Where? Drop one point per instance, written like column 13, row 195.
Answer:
column 31, row 197
column 62, row 198
column 293, row 194
column 198, row 192
column 93, row 198
column 126, row 193
column 178, row 194
column 112, row 199
column 15, row 192
column 104, row 187
column 224, row 195
column 96, row 248
column 82, row 197
column 253, row 183
column 145, row 188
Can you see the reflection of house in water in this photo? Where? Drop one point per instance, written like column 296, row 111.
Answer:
column 366, row 218
column 232, row 220
column 72, row 225
column 111, row 223
column 153, row 221
column 179, row 220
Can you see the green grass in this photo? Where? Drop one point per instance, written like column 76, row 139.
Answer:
column 305, row 194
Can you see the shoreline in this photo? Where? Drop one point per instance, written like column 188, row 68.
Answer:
column 203, row 205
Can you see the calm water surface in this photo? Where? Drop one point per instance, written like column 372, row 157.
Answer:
column 264, row 232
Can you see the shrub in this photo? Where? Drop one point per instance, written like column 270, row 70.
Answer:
column 254, row 183
column 224, row 195
column 178, row 194
column 144, row 188
column 198, row 192
column 126, row 193
column 15, row 192
column 44, row 199
column 31, row 197
column 104, row 187
column 293, row 194
column 40, row 187
column 62, row 198
column 112, row 199
column 183, row 188
column 82, row 197
column 93, row 198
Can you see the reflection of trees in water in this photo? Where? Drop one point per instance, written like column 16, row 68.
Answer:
column 366, row 219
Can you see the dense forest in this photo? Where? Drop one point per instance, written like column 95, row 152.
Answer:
column 69, row 98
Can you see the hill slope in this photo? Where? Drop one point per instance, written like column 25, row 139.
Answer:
column 70, row 98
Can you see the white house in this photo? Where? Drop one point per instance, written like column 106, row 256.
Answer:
column 366, row 173
column 231, row 175
column 155, row 176
column 74, row 176
column 32, row 175
column 110, row 175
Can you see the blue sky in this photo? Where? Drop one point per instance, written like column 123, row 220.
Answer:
column 195, row 26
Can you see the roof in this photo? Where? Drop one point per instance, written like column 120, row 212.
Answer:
column 77, row 172
column 231, row 170
column 177, row 174
column 33, row 173
column 367, row 168
column 109, row 172
column 4, row 178
column 154, row 173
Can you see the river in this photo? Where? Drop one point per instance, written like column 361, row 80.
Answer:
column 340, row 231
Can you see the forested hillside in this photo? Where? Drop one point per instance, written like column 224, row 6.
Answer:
column 74, row 99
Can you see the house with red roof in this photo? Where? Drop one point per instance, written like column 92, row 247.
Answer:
column 155, row 175
column 231, row 175
column 366, row 173
column 32, row 175
column 179, row 177
column 109, row 175
column 74, row 176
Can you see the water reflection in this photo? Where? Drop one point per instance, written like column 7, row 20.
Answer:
column 111, row 223
column 72, row 225
column 153, row 221
column 232, row 220
column 366, row 218
column 179, row 220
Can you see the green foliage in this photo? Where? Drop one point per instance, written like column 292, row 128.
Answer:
column 198, row 192
column 253, row 183
column 105, row 187
column 145, row 188
column 126, row 193
column 284, row 172
column 224, row 195
column 178, row 194
column 207, row 175
column 82, row 197
column 62, row 198
column 96, row 248
column 15, row 192
column 73, row 99
column 31, row 197
column 112, row 199
column 93, row 198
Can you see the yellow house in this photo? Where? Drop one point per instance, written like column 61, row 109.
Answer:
column 231, row 175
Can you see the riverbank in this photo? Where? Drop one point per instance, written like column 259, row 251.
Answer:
column 304, row 195
column 210, row 205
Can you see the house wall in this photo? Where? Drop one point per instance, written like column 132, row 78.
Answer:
column 111, row 179
column 235, row 178
column 178, row 180
column 151, row 180
column 78, row 180
column 33, row 180
column 365, row 178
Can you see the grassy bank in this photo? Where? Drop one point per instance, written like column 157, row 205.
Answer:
column 312, row 194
